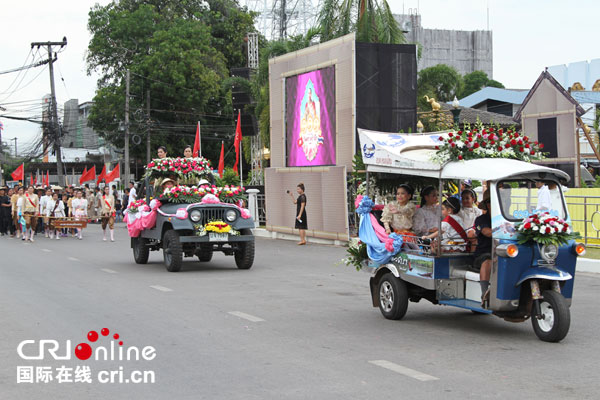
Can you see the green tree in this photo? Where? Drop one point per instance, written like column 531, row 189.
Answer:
column 372, row 20
column 440, row 81
column 178, row 50
column 475, row 81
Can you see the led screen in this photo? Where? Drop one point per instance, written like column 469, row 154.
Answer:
column 310, row 118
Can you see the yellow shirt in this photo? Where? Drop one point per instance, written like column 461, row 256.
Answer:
column 13, row 200
column 28, row 199
column 109, row 208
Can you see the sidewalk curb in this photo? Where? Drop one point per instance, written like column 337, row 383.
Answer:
column 262, row 232
column 588, row 265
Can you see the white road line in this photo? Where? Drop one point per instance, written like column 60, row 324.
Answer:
column 110, row 271
column 246, row 316
column 404, row 370
column 72, row 258
column 47, row 250
column 161, row 288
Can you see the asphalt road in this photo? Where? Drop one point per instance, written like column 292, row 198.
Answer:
column 295, row 326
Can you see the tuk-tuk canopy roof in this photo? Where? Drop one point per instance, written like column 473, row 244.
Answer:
column 411, row 154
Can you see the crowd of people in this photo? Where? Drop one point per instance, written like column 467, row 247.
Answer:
column 29, row 211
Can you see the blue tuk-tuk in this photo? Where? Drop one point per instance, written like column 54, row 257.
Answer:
column 527, row 280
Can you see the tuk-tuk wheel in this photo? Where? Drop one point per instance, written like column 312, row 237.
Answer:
column 393, row 297
column 552, row 325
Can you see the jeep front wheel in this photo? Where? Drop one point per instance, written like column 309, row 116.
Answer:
column 172, row 251
column 244, row 255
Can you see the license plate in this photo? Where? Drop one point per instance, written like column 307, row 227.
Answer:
column 217, row 237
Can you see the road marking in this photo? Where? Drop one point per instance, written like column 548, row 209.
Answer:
column 47, row 250
column 72, row 259
column 110, row 271
column 246, row 316
column 161, row 288
column 411, row 373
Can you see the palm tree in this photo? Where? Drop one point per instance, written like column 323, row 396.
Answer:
column 372, row 20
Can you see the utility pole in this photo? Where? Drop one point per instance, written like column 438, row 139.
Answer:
column 15, row 139
column 126, row 169
column 54, row 113
column 148, row 159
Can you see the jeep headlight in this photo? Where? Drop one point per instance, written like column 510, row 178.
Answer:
column 549, row 252
column 195, row 215
column 230, row 215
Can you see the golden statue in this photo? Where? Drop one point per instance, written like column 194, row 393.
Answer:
column 596, row 87
column 577, row 87
column 435, row 106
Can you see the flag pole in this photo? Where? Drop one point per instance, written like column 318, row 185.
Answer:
column 241, row 171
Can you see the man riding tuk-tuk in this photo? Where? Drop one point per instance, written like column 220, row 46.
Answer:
column 533, row 252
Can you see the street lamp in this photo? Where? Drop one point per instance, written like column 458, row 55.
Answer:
column 455, row 111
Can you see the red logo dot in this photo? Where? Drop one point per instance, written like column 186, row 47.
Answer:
column 104, row 331
column 116, row 336
column 83, row 351
column 92, row 336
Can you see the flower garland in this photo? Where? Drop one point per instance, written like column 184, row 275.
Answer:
column 195, row 194
column 487, row 142
column 544, row 228
column 136, row 206
column 185, row 169
column 216, row 227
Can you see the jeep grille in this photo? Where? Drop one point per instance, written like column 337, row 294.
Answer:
column 211, row 214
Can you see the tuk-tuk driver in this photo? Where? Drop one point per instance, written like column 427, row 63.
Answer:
column 483, row 252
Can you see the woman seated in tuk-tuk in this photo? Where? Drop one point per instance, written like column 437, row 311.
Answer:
column 453, row 236
column 397, row 216
column 427, row 217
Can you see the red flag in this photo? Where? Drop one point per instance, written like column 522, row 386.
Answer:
column 31, row 181
column 88, row 175
column 47, row 178
column 102, row 175
column 222, row 160
column 83, row 175
column 237, row 142
column 114, row 174
column 19, row 173
column 197, row 141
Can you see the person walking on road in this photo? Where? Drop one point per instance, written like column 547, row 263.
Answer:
column 301, row 222
column 28, row 207
column 108, row 213
column 54, row 209
column 15, row 214
column 4, row 212
column 79, row 206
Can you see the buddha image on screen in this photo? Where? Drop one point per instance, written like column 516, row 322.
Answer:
column 310, row 123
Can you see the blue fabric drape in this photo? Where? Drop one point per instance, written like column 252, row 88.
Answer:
column 376, row 250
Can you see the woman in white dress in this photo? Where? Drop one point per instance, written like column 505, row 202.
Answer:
column 80, row 207
column 55, row 208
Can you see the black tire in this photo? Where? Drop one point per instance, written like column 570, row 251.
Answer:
column 141, row 252
column 244, row 255
column 556, row 317
column 205, row 252
column 172, row 251
column 393, row 296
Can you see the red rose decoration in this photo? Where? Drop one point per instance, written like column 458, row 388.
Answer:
column 450, row 134
column 548, row 230
column 521, row 149
column 499, row 148
column 513, row 142
column 532, row 152
column 507, row 145
column 476, row 145
column 541, row 145
column 452, row 145
column 460, row 157
column 527, row 225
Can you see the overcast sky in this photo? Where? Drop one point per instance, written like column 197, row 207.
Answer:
column 528, row 36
